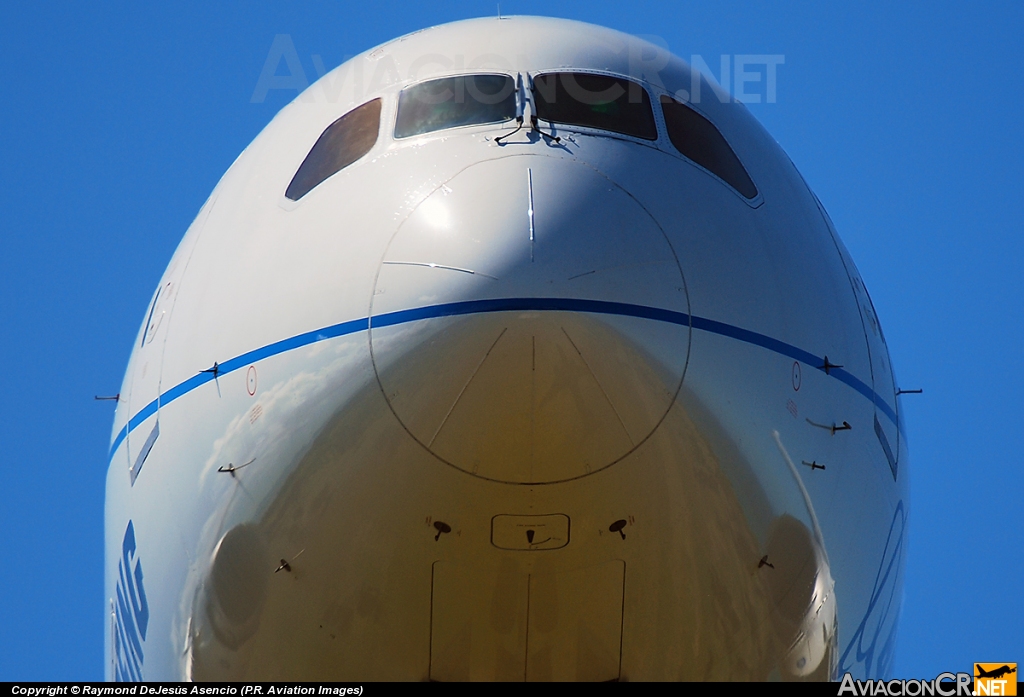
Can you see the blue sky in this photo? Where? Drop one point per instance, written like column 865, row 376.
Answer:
column 117, row 119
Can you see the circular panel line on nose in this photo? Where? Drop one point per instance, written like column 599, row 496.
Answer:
column 556, row 397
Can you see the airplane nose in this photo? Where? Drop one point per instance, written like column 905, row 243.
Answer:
column 529, row 321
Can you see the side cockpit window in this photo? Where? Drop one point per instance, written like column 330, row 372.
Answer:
column 344, row 142
column 595, row 101
column 455, row 101
column 698, row 140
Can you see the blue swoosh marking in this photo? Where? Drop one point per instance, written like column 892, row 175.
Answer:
column 469, row 307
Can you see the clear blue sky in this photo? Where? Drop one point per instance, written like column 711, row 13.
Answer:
column 116, row 121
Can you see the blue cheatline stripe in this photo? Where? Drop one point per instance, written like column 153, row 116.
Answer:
column 797, row 354
column 470, row 307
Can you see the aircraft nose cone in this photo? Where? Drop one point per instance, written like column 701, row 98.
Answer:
column 509, row 325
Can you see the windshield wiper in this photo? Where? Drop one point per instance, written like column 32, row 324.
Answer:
column 520, row 108
column 524, row 96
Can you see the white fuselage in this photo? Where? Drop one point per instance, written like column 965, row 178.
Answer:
column 517, row 409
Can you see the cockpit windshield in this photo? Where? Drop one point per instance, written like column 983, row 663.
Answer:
column 697, row 139
column 455, row 101
column 345, row 141
column 596, row 101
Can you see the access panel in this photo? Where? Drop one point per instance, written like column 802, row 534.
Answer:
column 502, row 624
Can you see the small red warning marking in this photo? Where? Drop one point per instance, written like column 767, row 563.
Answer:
column 250, row 381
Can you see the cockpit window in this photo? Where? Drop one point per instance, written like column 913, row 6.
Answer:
column 697, row 139
column 344, row 142
column 455, row 101
column 596, row 101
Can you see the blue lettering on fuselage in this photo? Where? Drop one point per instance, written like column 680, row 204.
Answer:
column 131, row 612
